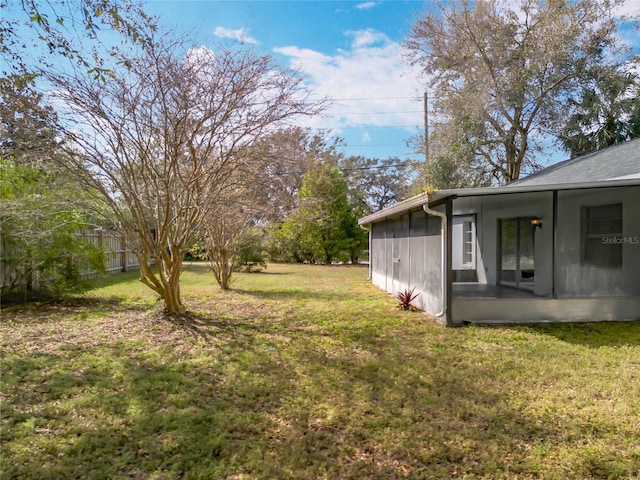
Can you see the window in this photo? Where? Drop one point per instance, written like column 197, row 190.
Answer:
column 467, row 243
column 463, row 255
column 602, row 235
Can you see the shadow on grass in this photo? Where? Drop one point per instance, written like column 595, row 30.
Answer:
column 593, row 335
column 249, row 395
column 294, row 294
column 299, row 413
column 53, row 309
column 306, row 406
column 202, row 268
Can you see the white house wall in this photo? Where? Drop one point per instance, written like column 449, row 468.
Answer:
column 406, row 252
column 532, row 310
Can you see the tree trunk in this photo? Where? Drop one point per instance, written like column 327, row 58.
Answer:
column 172, row 301
column 166, row 282
column 222, row 267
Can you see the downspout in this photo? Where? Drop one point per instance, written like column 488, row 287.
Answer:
column 443, row 258
column 368, row 228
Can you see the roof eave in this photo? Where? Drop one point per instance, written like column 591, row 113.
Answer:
column 439, row 196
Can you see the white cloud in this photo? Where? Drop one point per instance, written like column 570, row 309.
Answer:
column 630, row 8
column 368, row 37
column 366, row 138
column 198, row 55
column 370, row 83
column 240, row 35
column 366, row 5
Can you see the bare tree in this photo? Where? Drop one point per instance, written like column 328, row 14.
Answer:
column 223, row 234
column 162, row 141
column 501, row 71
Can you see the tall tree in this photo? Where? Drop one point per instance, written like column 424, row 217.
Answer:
column 27, row 125
column 607, row 111
column 33, row 34
column 41, row 208
column 162, row 141
column 502, row 71
column 377, row 183
column 451, row 162
column 324, row 225
column 281, row 160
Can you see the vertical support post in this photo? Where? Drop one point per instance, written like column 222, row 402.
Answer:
column 123, row 246
column 449, row 260
column 101, row 243
column 426, row 127
column 554, row 246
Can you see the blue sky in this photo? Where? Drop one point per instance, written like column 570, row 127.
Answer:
column 350, row 51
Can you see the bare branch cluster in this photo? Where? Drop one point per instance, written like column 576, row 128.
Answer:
column 164, row 141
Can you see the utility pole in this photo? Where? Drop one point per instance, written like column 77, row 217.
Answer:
column 426, row 127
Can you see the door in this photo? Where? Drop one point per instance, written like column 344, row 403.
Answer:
column 517, row 252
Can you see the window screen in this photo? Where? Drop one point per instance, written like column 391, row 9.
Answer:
column 602, row 235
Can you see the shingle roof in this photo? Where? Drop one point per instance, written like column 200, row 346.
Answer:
column 618, row 162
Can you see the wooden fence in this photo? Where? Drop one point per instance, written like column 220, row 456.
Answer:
column 118, row 257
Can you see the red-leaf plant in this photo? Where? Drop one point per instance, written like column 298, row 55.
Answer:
column 405, row 298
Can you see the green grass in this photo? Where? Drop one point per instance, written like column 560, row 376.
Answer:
column 307, row 372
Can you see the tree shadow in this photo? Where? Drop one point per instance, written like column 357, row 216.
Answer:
column 589, row 334
column 293, row 294
column 243, row 398
column 300, row 408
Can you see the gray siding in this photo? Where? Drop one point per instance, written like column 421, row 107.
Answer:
column 406, row 253
column 576, row 279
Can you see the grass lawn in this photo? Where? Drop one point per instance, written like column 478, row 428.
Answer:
column 307, row 372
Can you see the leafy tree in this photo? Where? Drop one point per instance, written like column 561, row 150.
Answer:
column 324, row 226
column 34, row 33
column 502, row 72
column 375, row 184
column 41, row 208
column 607, row 112
column 280, row 161
column 285, row 242
column 252, row 253
column 27, row 126
column 164, row 139
column 451, row 163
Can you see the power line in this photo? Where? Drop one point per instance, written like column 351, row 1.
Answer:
column 370, row 127
column 376, row 145
column 379, row 113
column 397, row 165
column 356, row 99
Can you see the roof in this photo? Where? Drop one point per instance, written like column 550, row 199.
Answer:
column 614, row 166
column 621, row 161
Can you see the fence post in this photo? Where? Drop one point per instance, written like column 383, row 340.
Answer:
column 123, row 245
